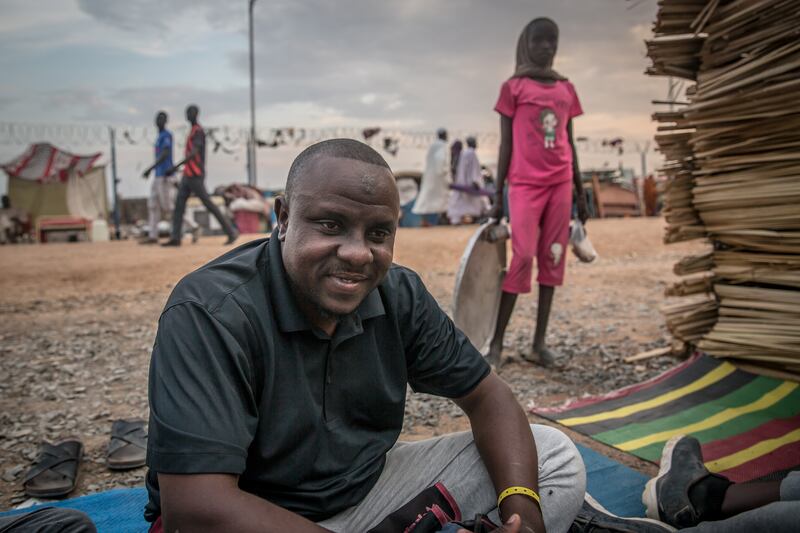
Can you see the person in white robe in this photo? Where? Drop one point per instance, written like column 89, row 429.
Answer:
column 466, row 203
column 435, row 187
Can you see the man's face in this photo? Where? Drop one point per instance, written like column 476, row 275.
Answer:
column 338, row 234
column 543, row 44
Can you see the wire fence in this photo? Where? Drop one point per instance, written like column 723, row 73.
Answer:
column 234, row 139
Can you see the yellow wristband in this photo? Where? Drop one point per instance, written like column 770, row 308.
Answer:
column 519, row 490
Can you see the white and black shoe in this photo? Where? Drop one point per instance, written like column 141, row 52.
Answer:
column 684, row 493
column 594, row 518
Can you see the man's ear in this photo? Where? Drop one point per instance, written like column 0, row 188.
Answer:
column 282, row 214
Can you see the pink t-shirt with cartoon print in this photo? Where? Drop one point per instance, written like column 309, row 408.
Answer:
column 540, row 154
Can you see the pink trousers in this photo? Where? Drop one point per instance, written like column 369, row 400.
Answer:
column 539, row 229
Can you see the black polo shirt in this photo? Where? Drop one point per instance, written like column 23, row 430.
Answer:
column 241, row 383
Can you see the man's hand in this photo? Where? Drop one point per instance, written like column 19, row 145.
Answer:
column 512, row 525
column 146, row 174
column 583, row 208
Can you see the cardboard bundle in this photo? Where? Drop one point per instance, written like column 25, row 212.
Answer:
column 692, row 264
column 676, row 49
column 684, row 222
column 690, row 319
column 733, row 163
column 678, row 17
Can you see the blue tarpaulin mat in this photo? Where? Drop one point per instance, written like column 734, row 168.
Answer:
column 113, row 511
column 617, row 487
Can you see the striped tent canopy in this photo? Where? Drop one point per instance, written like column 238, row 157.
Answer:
column 748, row 425
column 44, row 162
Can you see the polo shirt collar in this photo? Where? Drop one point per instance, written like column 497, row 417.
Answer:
column 288, row 314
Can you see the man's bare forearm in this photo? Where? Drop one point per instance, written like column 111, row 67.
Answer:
column 162, row 156
column 214, row 503
column 505, row 443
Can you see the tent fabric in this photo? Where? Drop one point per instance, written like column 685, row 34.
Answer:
column 80, row 196
column 38, row 199
column 617, row 487
column 86, row 194
column 46, row 163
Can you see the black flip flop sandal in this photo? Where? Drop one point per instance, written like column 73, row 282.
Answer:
column 55, row 472
column 128, row 445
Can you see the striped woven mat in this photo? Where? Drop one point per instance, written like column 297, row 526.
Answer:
column 748, row 425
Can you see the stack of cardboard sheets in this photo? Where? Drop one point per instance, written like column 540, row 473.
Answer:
column 733, row 159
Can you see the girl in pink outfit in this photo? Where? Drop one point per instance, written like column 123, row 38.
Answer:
column 537, row 158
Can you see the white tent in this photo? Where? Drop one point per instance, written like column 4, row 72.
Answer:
column 47, row 181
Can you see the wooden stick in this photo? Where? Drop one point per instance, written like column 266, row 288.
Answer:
column 657, row 352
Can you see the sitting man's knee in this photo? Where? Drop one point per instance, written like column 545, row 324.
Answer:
column 559, row 450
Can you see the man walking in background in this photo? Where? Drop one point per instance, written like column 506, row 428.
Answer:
column 193, row 182
column 162, row 189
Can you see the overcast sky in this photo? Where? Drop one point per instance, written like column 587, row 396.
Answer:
column 410, row 64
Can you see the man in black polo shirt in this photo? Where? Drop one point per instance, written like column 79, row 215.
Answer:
column 279, row 374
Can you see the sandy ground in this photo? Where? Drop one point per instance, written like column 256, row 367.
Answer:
column 77, row 322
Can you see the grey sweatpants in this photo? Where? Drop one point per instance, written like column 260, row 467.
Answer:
column 160, row 204
column 196, row 185
column 777, row 517
column 453, row 459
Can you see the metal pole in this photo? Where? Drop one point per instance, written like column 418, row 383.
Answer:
column 249, row 156
column 114, row 180
column 252, row 178
column 644, row 159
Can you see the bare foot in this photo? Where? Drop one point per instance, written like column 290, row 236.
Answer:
column 542, row 356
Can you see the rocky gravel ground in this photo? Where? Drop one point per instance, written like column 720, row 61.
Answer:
column 77, row 322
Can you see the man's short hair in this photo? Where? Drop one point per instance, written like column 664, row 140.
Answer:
column 342, row 148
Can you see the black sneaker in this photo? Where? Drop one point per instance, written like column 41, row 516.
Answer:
column 594, row 518
column 667, row 496
column 171, row 243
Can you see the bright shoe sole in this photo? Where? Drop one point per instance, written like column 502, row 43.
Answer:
column 650, row 495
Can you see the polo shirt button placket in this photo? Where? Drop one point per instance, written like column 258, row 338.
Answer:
column 328, row 381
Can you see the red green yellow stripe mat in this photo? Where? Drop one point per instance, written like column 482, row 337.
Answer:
column 748, row 425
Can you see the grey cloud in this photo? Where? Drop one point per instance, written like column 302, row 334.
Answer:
column 443, row 60
column 134, row 106
column 154, row 16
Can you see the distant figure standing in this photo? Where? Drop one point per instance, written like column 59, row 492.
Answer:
column 162, row 189
column 466, row 204
column 193, row 182
column 12, row 222
column 434, row 190
column 455, row 152
column 537, row 155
